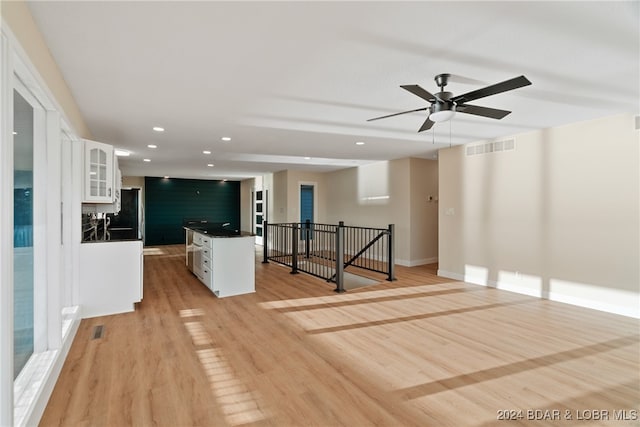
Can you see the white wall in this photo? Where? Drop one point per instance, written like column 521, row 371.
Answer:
column 557, row 217
column 423, row 211
column 297, row 178
column 246, row 188
column 391, row 192
column 374, row 195
column 279, row 193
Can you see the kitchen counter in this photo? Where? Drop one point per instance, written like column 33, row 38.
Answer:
column 101, row 230
column 111, row 276
column 114, row 240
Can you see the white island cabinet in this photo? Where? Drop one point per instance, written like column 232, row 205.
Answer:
column 225, row 265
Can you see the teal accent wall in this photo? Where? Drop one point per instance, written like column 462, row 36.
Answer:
column 169, row 201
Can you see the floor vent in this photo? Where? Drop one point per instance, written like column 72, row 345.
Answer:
column 491, row 147
column 98, row 331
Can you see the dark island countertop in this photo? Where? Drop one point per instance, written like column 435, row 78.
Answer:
column 216, row 231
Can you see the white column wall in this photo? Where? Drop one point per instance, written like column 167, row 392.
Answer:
column 557, row 217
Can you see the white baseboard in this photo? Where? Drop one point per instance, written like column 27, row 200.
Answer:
column 417, row 262
column 450, row 275
column 552, row 296
column 39, row 403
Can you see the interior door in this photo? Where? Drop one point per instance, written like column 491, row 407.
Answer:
column 307, row 207
column 259, row 214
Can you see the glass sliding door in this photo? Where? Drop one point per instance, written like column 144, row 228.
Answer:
column 23, row 256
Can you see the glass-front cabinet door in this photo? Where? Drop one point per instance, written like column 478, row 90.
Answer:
column 98, row 172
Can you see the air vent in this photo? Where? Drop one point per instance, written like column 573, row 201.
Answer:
column 491, row 147
column 637, row 122
column 97, row 332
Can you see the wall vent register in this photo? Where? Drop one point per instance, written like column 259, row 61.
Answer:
column 491, row 147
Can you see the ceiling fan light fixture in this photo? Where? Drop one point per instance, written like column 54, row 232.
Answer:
column 442, row 115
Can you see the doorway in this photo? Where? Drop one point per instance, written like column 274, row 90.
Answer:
column 259, row 213
column 307, row 203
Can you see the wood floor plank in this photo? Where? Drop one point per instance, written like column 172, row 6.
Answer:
column 419, row 351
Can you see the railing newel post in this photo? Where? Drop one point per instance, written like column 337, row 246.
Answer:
column 340, row 258
column 307, row 237
column 265, row 243
column 391, row 261
column 294, row 248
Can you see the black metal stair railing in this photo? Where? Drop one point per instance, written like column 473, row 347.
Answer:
column 326, row 250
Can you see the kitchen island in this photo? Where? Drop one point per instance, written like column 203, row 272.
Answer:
column 223, row 260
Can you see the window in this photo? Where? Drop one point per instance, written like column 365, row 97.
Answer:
column 23, row 257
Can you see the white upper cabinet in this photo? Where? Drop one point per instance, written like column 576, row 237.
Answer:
column 99, row 184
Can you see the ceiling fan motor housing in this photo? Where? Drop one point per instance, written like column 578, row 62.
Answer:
column 442, row 103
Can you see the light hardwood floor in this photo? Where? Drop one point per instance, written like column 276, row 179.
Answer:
column 420, row 351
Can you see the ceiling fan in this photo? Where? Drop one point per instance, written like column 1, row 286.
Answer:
column 443, row 105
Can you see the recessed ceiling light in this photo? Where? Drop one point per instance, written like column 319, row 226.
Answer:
column 122, row 153
column 226, row 138
column 210, row 165
column 359, row 143
column 146, row 160
column 307, row 158
column 152, row 146
column 158, row 129
column 206, row 152
column 15, row 133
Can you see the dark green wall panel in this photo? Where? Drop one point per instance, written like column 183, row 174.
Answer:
column 168, row 202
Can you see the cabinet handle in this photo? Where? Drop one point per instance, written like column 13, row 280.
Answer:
column 109, row 191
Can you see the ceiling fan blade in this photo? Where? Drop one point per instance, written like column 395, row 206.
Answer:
column 492, row 113
column 504, row 86
column 456, row 78
column 426, row 125
column 397, row 114
column 419, row 91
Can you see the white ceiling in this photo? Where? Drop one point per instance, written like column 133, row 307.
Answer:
column 289, row 80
